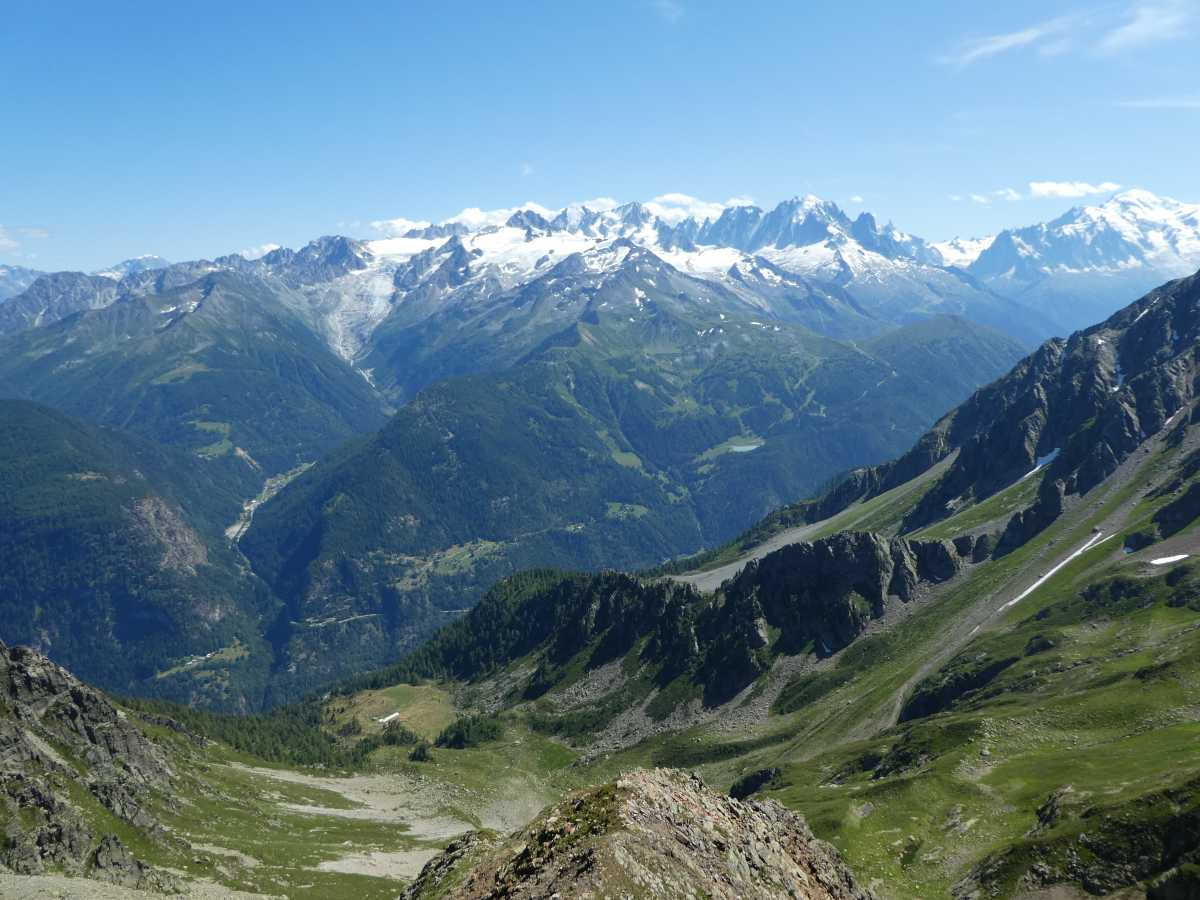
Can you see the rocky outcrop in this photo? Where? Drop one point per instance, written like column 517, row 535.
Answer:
column 808, row 597
column 652, row 834
column 112, row 862
column 825, row 592
column 45, row 832
column 1077, row 407
column 58, row 735
column 41, row 704
column 182, row 548
column 1100, row 845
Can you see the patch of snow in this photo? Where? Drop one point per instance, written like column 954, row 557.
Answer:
column 961, row 252
column 1093, row 541
column 1167, row 560
column 1041, row 461
column 707, row 262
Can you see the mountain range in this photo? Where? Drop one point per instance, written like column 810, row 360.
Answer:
column 970, row 671
column 973, row 668
column 1081, row 266
column 804, row 261
column 357, row 399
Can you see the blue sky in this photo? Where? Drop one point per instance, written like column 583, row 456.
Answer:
column 193, row 129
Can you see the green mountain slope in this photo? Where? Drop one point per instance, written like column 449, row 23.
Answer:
column 993, row 697
column 219, row 366
column 963, row 706
column 586, row 455
column 113, row 559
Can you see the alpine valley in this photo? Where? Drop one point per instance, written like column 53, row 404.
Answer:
column 409, row 565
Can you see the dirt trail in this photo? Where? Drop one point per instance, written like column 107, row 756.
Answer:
column 855, row 514
column 714, row 578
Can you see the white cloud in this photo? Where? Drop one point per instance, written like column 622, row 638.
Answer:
column 474, row 217
column 1007, row 194
column 1161, row 103
column 526, row 169
column 856, row 199
column 1070, row 189
column 1104, row 30
column 257, row 252
column 598, row 204
column 673, row 208
column 669, row 10
column 11, row 236
column 1149, row 23
column 398, row 227
column 1043, row 33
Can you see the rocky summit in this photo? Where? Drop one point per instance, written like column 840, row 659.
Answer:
column 657, row 833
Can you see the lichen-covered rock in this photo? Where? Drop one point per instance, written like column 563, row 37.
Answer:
column 112, row 862
column 52, row 728
column 46, row 832
column 42, row 704
column 651, row 834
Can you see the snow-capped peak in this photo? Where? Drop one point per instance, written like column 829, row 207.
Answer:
column 1133, row 229
column 144, row 263
column 1142, row 198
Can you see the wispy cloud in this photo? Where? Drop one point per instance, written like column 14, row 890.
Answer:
column 670, row 11
column 1149, row 23
column 12, row 236
column 1070, row 189
column 527, row 169
column 1161, row 103
column 1107, row 30
column 1046, row 34
column 1006, row 194
column 856, row 199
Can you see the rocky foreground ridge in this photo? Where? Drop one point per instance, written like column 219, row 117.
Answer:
column 650, row 834
column 58, row 736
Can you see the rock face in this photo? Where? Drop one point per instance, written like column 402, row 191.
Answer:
column 825, row 591
column 1075, row 408
column 808, row 597
column 650, row 834
column 43, row 702
column 53, row 297
column 1102, row 845
column 56, row 735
